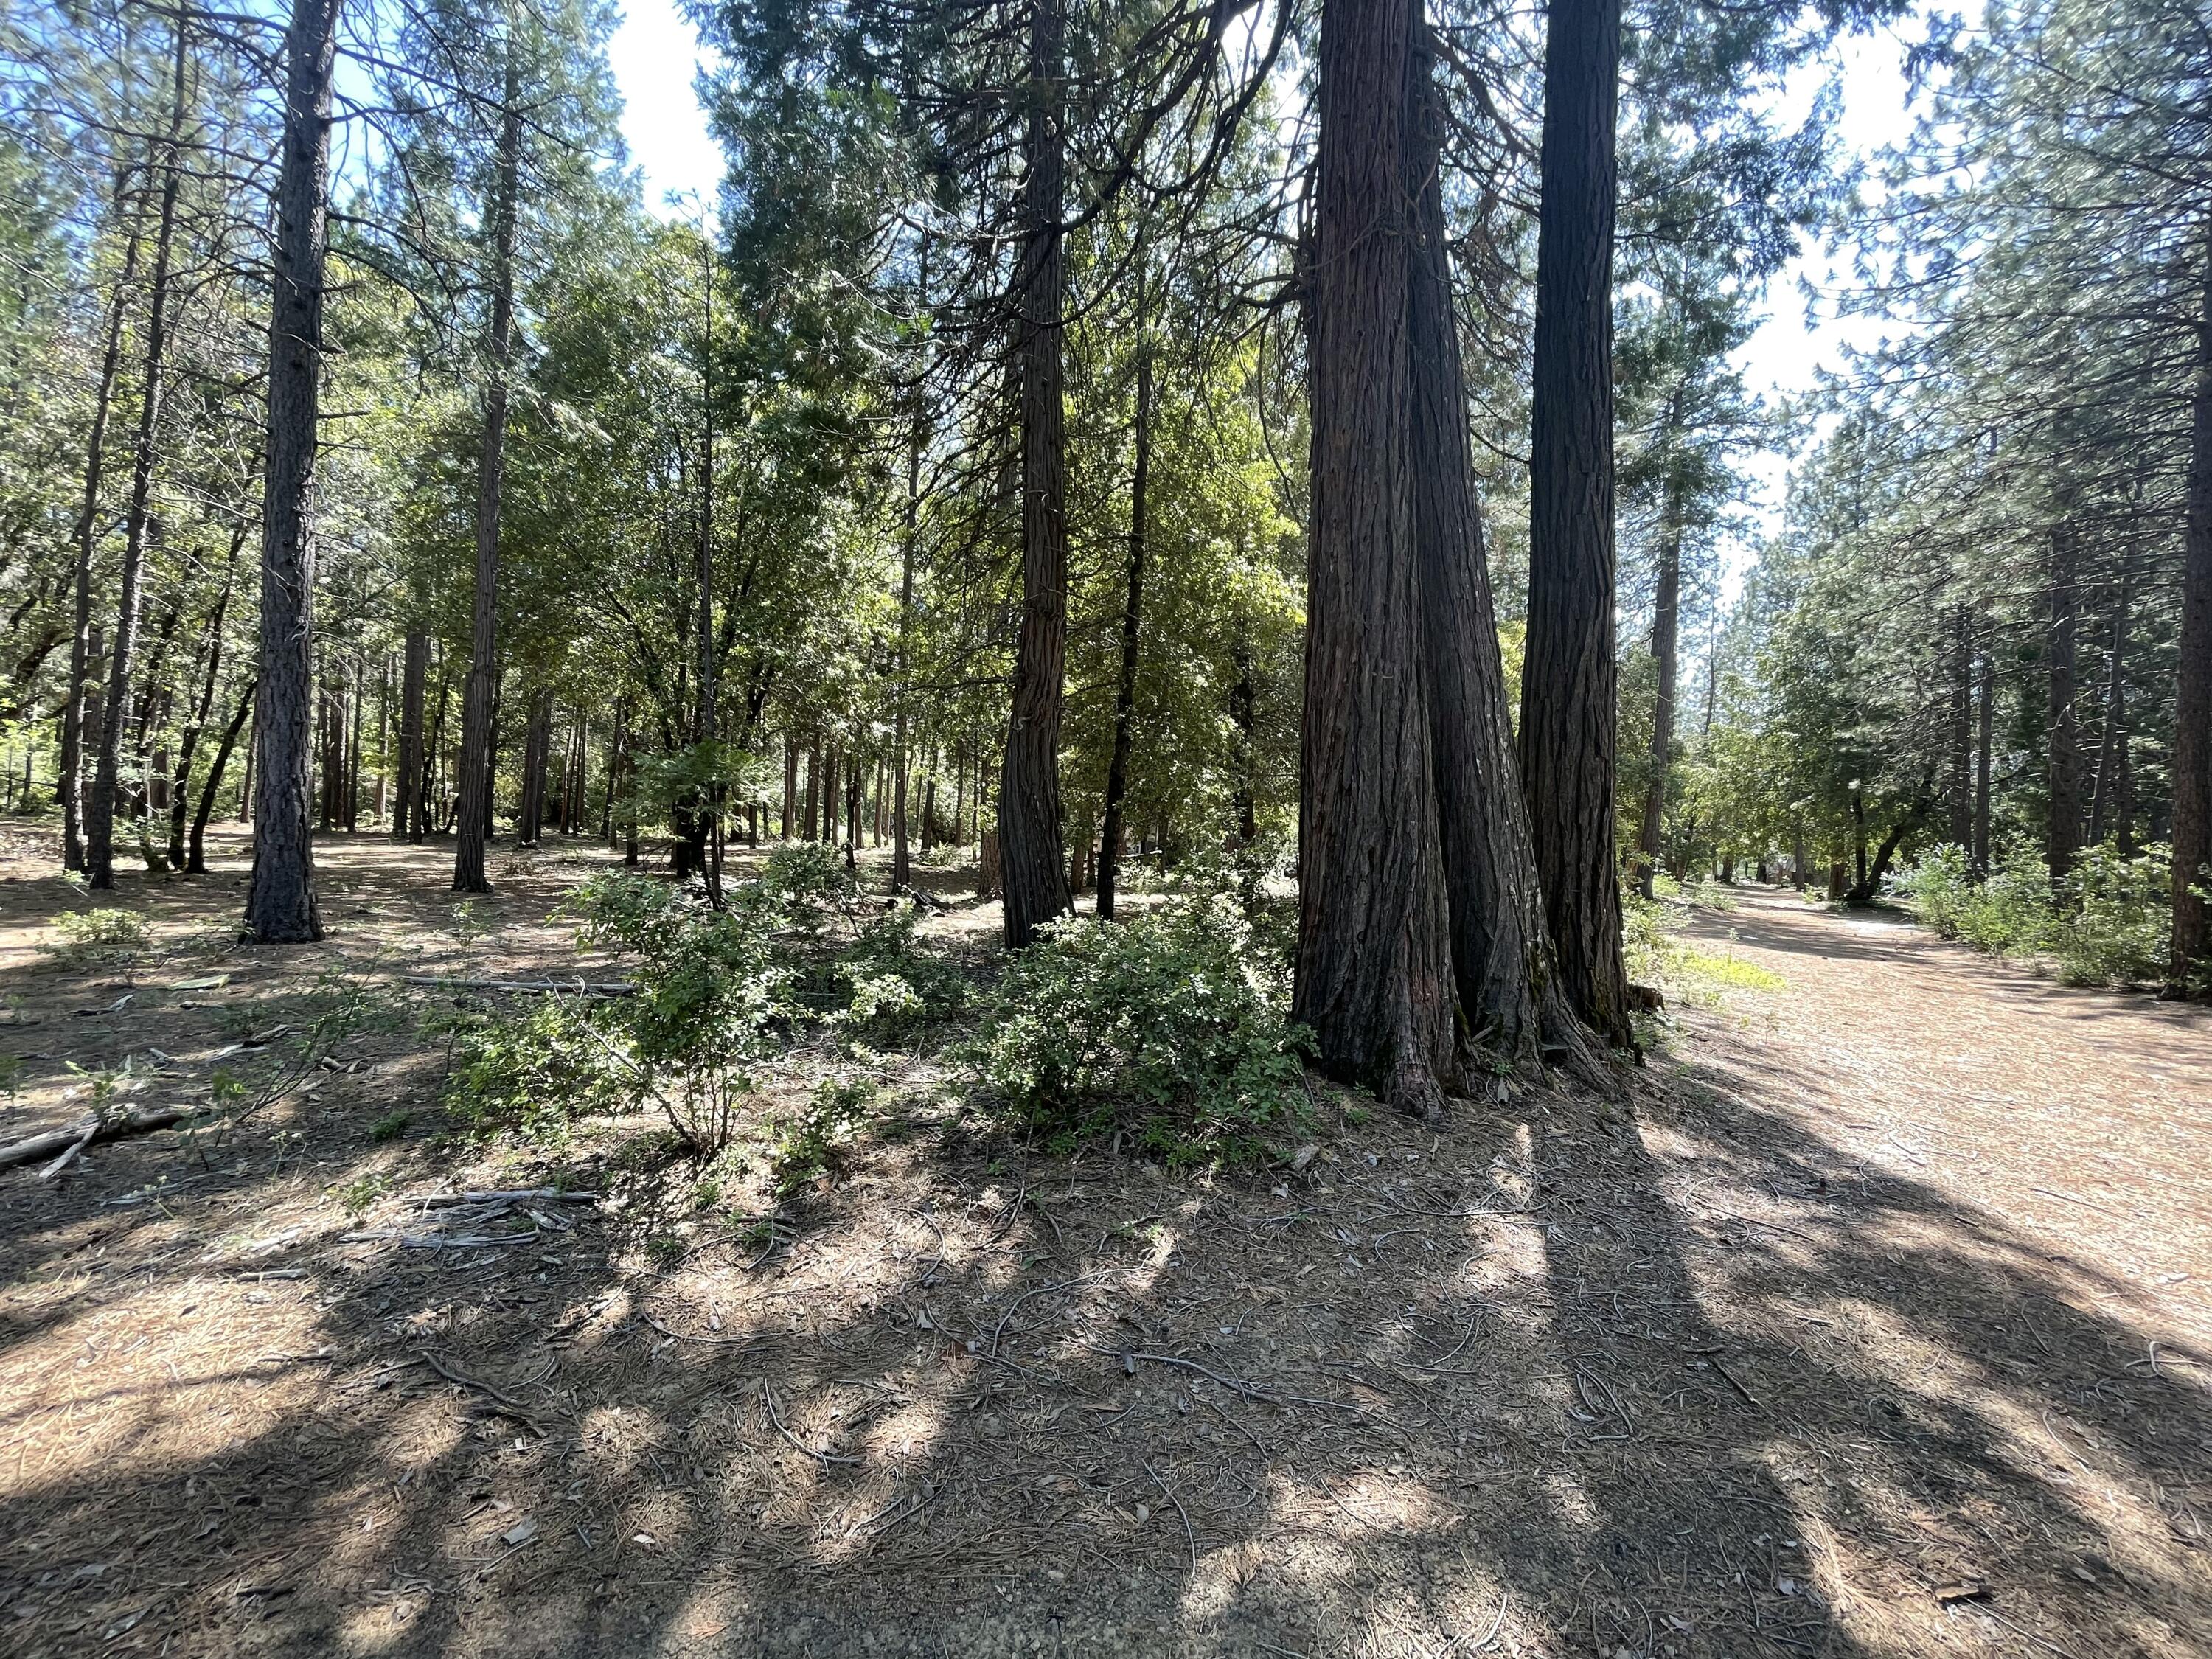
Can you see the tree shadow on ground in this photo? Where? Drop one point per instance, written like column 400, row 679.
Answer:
column 1677, row 1376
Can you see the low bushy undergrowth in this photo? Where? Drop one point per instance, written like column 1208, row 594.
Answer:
column 535, row 1070
column 2106, row 924
column 1175, row 1015
column 96, row 938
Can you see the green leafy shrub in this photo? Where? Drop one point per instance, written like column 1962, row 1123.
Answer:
column 1175, row 1013
column 2106, row 924
column 710, row 987
column 533, row 1071
column 813, row 1142
column 96, row 938
column 897, row 987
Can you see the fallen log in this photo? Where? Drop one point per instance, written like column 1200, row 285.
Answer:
column 517, row 1195
column 89, row 1133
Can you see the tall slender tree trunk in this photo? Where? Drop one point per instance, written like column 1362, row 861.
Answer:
column 281, row 905
column 2109, row 807
column 409, row 808
column 1034, row 872
column 189, row 742
column 1985, row 715
column 1567, row 696
column 71, row 784
column 1666, row 636
column 536, row 751
column 477, row 696
column 917, row 436
column 196, row 853
column 2063, row 830
column 100, row 809
column 1133, row 607
column 1959, row 793
column 1374, row 979
column 2192, row 703
column 1510, row 1005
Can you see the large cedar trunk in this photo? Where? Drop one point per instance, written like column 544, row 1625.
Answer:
column 99, row 809
column 477, row 756
column 1509, row 1005
column 1034, row 872
column 2192, row 704
column 1132, row 609
column 280, row 905
column 1374, row 974
column 1567, row 689
column 2062, row 829
column 1666, row 638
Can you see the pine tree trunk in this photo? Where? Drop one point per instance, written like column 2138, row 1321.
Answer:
column 1125, row 689
column 476, row 752
column 189, row 743
column 1033, row 871
column 1567, row 696
column 281, row 905
column 2062, row 829
column 99, row 809
column 790, row 784
column 1666, row 635
column 1374, row 975
column 195, row 853
column 2192, row 704
column 70, row 787
column 1959, row 793
column 537, row 752
column 1985, row 727
column 409, row 811
column 2109, row 812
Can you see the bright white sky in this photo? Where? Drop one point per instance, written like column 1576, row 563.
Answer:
column 654, row 56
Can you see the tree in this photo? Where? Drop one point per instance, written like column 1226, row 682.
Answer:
column 280, row 906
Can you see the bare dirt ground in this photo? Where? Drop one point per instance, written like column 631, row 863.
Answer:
column 1870, row 1319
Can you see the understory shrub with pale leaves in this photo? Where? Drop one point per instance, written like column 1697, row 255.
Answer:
column 2106, row 924
column 1175, row 1016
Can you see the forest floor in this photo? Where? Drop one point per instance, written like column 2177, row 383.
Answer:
column 1871, row 1318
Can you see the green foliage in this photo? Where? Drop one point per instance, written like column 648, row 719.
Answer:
column 812, row 1143
column 2106, row 924
column 710, row 986
column 1174, row 1014
column 530, row 1072
column 390, row 1127
column 897, row 987
column 96, row 938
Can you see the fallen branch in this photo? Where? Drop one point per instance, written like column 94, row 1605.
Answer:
column 69, row 1156
column 47, row 1144
column 519, row 1196
column 507, row 1402
column 601, row 988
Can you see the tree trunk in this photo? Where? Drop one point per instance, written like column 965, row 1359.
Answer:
column 1567, row 696
column 2192, row 702
column 1985, row 725
column 1244, row 794
column 1034, row 872
column 1125, row 689
column 477, row 756
column 1959, row 793
column 100, row 809
column 409, row 809
column 537, row 752
column 195, row 853
column 281, row 905
column 2109, row 808
column 1509, row 1005
column 189, row 743
column 790, row 784
column 70, row 787
column 2063, row 830
column 1666, row 635
column 1374, row 974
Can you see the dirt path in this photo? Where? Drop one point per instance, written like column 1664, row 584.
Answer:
column 1859, row 1325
